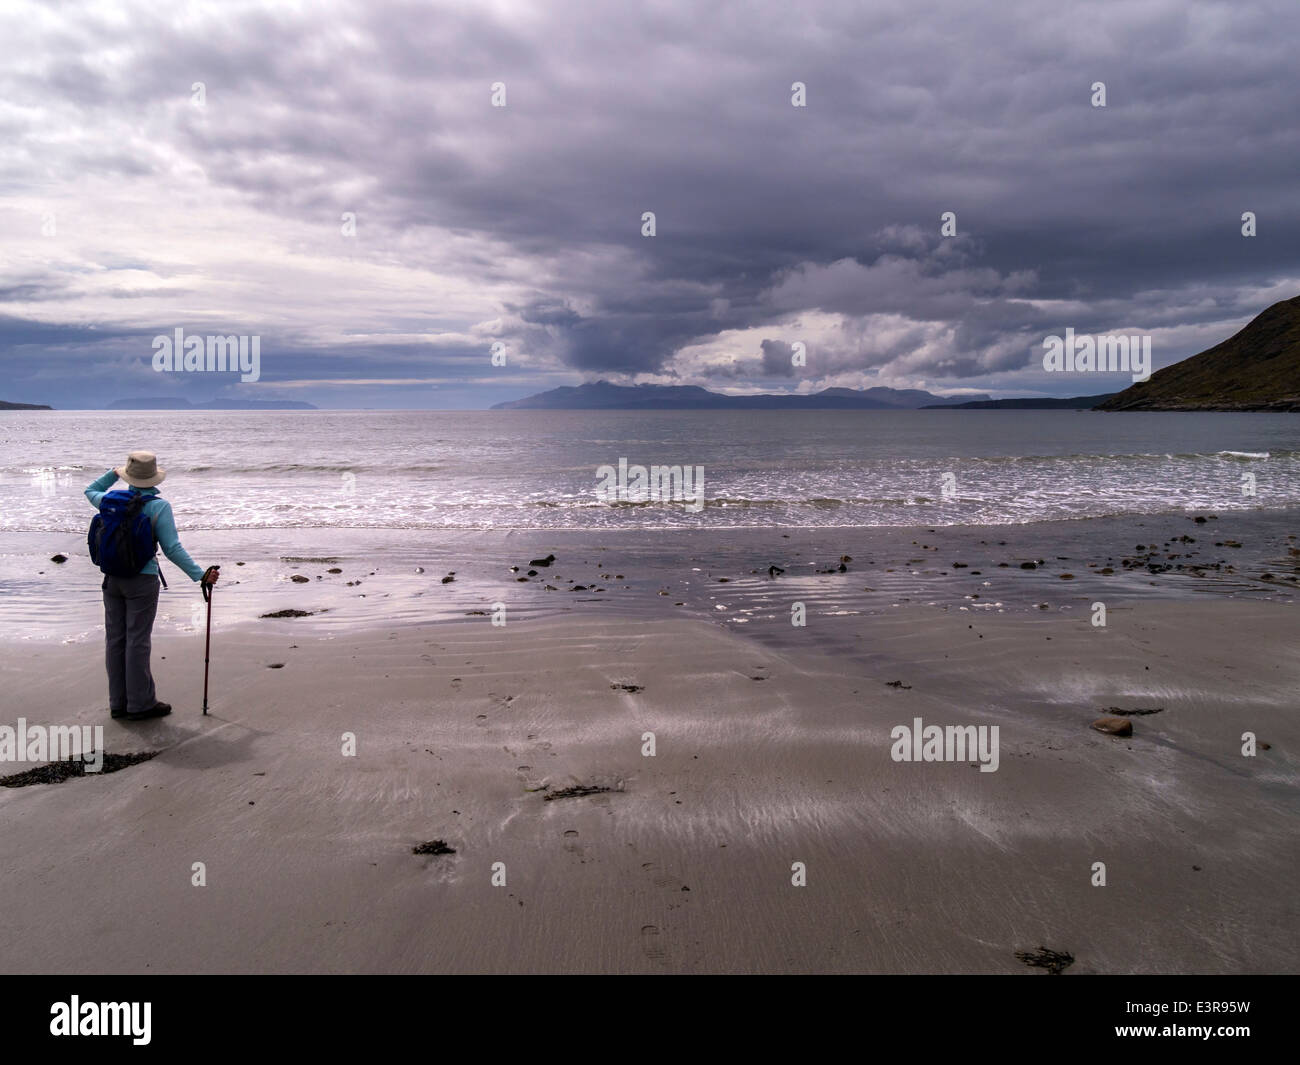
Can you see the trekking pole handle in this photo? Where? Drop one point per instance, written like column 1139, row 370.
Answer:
column 203, row 582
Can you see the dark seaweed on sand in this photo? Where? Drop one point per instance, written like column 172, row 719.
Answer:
column 576, row 790
column 433, row 846
column 58, row 772
column 1054, row 961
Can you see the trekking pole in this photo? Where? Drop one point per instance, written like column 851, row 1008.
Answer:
column 207, row 645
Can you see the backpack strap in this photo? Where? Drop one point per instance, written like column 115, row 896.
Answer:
column 134, row 506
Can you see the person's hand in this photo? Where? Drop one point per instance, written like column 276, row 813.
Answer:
column 210, row 575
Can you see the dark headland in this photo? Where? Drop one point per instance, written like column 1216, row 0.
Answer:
column 5, row 405
column 1258, row 369
column 1029, row 403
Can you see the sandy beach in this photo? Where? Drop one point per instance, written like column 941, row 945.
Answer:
column 770, row 750
column 669, row 489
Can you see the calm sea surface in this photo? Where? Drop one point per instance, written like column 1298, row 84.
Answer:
column 537, row 470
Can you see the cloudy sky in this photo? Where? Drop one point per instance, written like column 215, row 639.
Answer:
column 173, row 165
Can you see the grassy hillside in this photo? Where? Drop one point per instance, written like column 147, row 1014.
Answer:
column 1257, row 369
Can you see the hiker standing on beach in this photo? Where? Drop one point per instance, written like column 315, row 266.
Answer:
column 123, row 541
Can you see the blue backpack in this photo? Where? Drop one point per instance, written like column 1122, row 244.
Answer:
column 121, row 537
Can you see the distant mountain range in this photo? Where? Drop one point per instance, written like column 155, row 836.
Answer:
column 1257, row 369
column 601, row 395
column 212, row 404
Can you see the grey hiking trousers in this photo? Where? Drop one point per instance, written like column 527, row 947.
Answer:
column 130, row 604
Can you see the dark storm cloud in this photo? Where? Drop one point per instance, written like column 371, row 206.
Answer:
column 769, row 217
column 31, row 293
column 16, row 333
column 777, row 358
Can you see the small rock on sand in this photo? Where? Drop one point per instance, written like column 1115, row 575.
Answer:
column 1114, row 726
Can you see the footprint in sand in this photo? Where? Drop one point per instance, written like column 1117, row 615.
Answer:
column 571, row 843
column 530, row 781
column 651, row 944
column 661, row 879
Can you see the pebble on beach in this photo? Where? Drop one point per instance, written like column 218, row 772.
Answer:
column 1114, row 726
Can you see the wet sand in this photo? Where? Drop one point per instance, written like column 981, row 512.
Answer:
column 351, row 579
column 685, row 863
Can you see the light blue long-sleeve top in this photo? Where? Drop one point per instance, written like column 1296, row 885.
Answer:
column 164, row 525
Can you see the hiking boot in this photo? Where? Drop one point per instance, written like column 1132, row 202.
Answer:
column 157, row 710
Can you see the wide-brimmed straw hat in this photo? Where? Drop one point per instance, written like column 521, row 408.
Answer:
column 141, row 470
